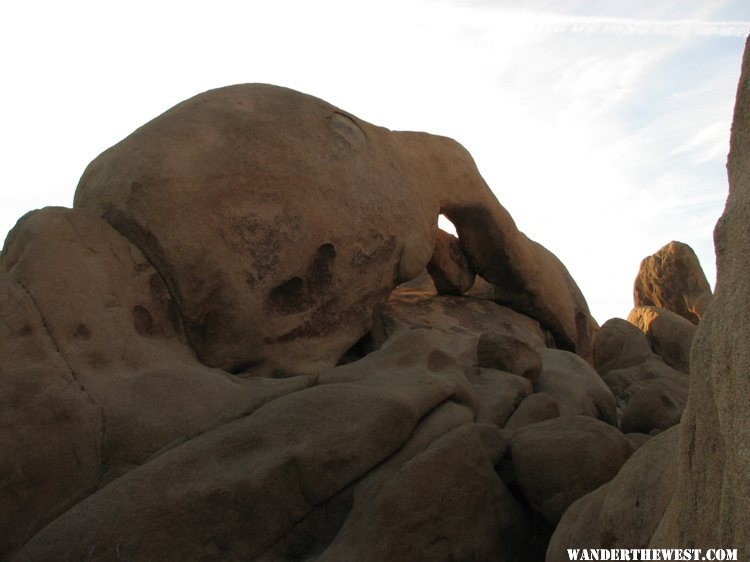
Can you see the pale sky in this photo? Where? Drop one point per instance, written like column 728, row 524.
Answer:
column 601, row 125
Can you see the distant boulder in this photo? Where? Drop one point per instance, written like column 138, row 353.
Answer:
column 672, row 278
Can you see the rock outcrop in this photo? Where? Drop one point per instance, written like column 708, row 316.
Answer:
column 230, row 349
column 712, row 500
column 562, row 459
column 255, row 201
column 650, row 394
column 673, row 279
column 256, row 231
column 669, row 335
column 625, row 512
column 449, row 267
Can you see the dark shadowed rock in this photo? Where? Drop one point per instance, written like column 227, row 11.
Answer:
column 98, row 346
column 500, row 393
column 465, row 318
column 461, row 511
column 507, row 353
column 673, row 279
column 449, row 267
column 51, row 431
column 577, row 387
column 656, row 404
column 560, row 460
column 618, row 344
column 236, row 491
column 625, row 512
column 534, row 408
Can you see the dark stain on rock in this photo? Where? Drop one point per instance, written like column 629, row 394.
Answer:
column 301, row 293
column 82, row 332
column 290, row 297
column 143, row 322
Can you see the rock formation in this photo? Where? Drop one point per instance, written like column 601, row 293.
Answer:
column 712, row 501
column 673, row 279
column 692, row 489
column 248, row 340
column 255, row 201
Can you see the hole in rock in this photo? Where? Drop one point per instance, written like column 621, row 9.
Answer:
column 444, row 223
column 362, row 347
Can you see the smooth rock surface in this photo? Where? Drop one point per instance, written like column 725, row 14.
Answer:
column 474, row 518
column 669, row 334
column 508, row 353
column 658, row 404
column 562, row 459
column 535, row 408
column 235, row 491
column 625, row 512
column 578, row 388
column 619, row 344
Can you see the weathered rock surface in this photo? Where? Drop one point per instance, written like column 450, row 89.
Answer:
column 508, row 353
column 257, row 201
column 625, row 512
column 712, row 501
column 465, row 319
column 669, row 334
column 235, row 491
column 449, row 267
column 672, row 278
column 634, row 373
column 109, row 364
column 619, row 344
column 396, row 518
column 254, row 231
column 578, row 388
column 560, row 460
column 500, row 393
column 654, row 405
column 50, row 431
column 535, row 408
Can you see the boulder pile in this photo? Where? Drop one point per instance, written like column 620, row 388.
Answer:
column 248, row 340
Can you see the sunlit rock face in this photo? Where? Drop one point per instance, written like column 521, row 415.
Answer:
column 279, row 222
column 673, row 279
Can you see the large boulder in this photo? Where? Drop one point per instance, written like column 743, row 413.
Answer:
column 578, row 388
column 465, row 319
column 669, row 334
column 672, row 278
column 96, row 376
column 712, row 501
column 654, row 405
column 535, row 408
column 396, row 517
column 634, row 373
column 51, row 432
column 254, row 201
column 562, row 459
column 238, row 490
column 619, row 344
column 625, row 512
